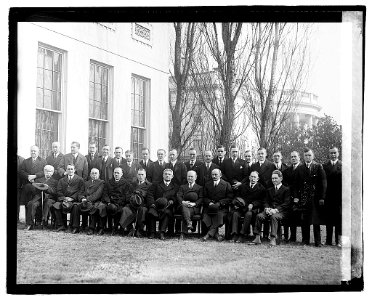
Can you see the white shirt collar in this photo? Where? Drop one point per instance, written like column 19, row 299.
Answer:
column 174, row 162
column 216, row 182
column 278, row 186
column 333, row 162
column 166, row 183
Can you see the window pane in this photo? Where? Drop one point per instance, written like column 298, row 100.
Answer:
column 40, row 57
column 91, row 73
column 105, row 76
column 39, row 80
column 57, row 61
column 39, row 97
column 49, row 60
column 48, row 80
column 91, row 90
column 46, row 130
column 97, row 93
column 104, row 94
column 98, row 73
column 56, row 81
column 47, row 99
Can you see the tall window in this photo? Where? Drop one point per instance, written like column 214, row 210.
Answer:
column 48, row 98
column 139, row 97
column 98, row 103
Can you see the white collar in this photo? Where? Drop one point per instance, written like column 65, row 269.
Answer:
column 192, row 184
column 333, row 162
column 166, row 183
column 278, row 186
column 216, row 182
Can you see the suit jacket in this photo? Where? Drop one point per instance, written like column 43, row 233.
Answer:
column 265, row 171
column 221, row 166
column 130, row 173
column 222, row 194
column 234, row 171
column 247, row 171
column 92, row 163
column 115, row 163
column 142, row 188
column 81, row 165
column 289, row 177
column 106, row 169
column 155, row 173
column 27, row 168
column 198, row 168
column 117, row 192
column 179, row 172
column 280, row 199
column 160, row 190
column 334, row 185
column 207, row 173
column 148, row 165
column 255, row 196
column 73, row 189
column 54, row 161
column 93, row 190
column 184, row 190
column 20, row 160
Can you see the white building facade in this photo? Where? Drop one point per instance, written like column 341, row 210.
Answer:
column 84, row 82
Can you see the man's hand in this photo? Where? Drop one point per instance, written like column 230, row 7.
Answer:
column 211, row 203
column 191, row 204
column 69, row 199
column 295, row 200
column 84, row 200
column 321, row 202
column 153, row 205
column 236, row 185
column 250, row 206
column 170, row 202
column 31, row 178
column 236, row 207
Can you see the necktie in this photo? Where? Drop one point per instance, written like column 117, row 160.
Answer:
column 33, row 162
column 190, row 186
column 129, row 165
column 252, row 185
column 69, row 179
column 92, row 181
column 191, row 164
column 75, row 159
column 118, row 161
column 220, row 161
column 215, row 184
column 144, row 164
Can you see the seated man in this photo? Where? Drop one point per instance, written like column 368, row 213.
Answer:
column 189, row 201
column 91, row 202
column 277, row 204
column 218, row 195
column 49, row 187
column 135, row 211
column 160, row 199
column 116, row 195
column 254, row 195
column 69, row 189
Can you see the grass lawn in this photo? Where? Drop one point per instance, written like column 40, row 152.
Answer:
column 58, row 257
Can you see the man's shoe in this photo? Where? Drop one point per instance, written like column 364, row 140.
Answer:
column 205, row 238
column 273, row 241
column 75, row 231
column 113, row 232
column 292, row 240
column 257, row 240
column 318, row 245
column 182, row 236
column 305, row 242
column 138, row 234
column 219, row 237
column 151, row 236
column 162, row 237
column 193, row 229
column 265, row 239
column 90, row 232
column 101, row 231
column 329, row 244
column 61, row 228
column 240, row 240
column 189, row 225
column 29, row 227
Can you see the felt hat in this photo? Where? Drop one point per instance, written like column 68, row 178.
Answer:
column 161, row 203
column 191, row 196
column 136, row 200
column 238, row 201
column 40, row 186
column 213, row 209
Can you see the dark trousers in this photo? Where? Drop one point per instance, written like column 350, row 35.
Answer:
column 131, row 215
column 249, row 219
column 114, row 211
column 273, row 222
column 213, row 222
column 74, row 216
column 187, row 214
column 233, row 219
column 164, row 218
column 329, row 236
column 33, row 211
column 47, row 209
column 306, row 233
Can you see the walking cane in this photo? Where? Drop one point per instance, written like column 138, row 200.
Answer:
column 42, row 187
column 42, row 208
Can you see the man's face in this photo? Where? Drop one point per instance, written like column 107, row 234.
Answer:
column 333, row 154
column 118, row 153
column 70, row 170
column 74, row 149
column 94, row 174
column 129, row 157
column 261, row 155
column 253, row 178
column 118, row 173
column 221, row 152
column 145, row 154
column 277, row 157
column 191, row 177
column 141, row 175
column 234, row 153
column 48, row 173
column 216, row 175
column 34, row 152
column 105, row 151
column 92, row 149
column 208, row 156
column 276, row 179
column 192, row 154
column 55, row 148
column 308, row 157
column 161, row 155
column 295, row 159
column 173, row 155
column 248, row 156
column 167, row 176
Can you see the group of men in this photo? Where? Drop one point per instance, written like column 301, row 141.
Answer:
column 120, row 196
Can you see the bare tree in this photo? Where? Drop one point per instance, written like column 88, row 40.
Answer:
column 281, row 64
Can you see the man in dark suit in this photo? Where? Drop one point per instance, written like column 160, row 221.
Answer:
column 105, row 164
column 195, row 165
column 218, row 195
column 277, row 160
column 333, row 200
column 208, row 166
column 131, row 167
column 288, row 180
column 277, row 203
column 135, row 211
column 146, row 162
column 220, row 158
column 20, row 160
column 189, row 201
column 69, row 190
column 92, row 157
column 76, row 159
column 119, row 160
column 155, row 173
column 234, row 169
column 254, row 195
column 264, row 168
column 309, row 193
column 34, row 205
column 116, row 195
column 160, row 200
column 30, row 169
column 247, row 166
column 91, row 203
column 54, row 158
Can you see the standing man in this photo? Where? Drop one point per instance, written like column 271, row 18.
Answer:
column 131, row 167
column 69, row 190
column 333, row 201
column 264, row 168
column 217, row 198
column 195, row 165
column 146, row 162
column 208, row 166
column 160, row 199
column 119, row 160
column 54, row 159
column 247, row 166
column 234, row 169
column 277, row 160
column 76, row 159
column 189, row 201
column 105, row 164
column 92, row 157
column 155, row 173
column 276, row 207
column 309, row 193
column 220, row 158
